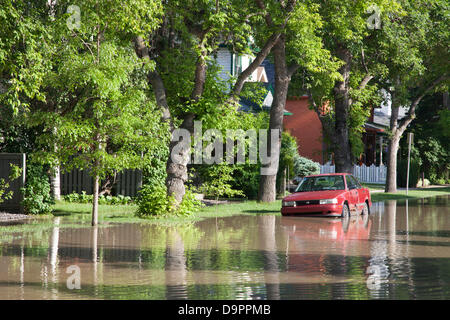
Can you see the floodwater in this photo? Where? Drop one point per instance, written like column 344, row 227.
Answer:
column 400, row 251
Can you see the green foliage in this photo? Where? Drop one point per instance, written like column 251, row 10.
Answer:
column 217, row 181
column 288, row 155
column 402, row 167
column 239, row 179
column 154, row 162
column 444, row 123
column 304, row 166
column 431, row 144
column 87, row 198
column 189, row 205
column 246, row 178
column 36, row 193
column 439, row 181
column 153, row 201
column 24, row 52
column 15, row 172
column 98, row 112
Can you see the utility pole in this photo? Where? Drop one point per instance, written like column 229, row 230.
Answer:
column 410, row 138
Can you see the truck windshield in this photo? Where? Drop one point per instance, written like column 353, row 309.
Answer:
column 321, row 183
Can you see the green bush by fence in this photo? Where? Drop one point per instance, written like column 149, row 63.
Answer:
column 414, row 168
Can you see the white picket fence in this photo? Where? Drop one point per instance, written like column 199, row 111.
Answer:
column 371, row 174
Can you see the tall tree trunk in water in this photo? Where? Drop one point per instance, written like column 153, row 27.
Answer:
column 55, row 182
column 391, row 174
column 267, row 183
column 342, row 152
column 393, row 145
column 95, row 201
column 95, row 191
column 176, row 171
column 55, row 177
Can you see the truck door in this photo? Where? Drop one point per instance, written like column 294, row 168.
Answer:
column 353, row 192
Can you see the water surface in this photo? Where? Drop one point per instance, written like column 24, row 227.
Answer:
column 400, row 251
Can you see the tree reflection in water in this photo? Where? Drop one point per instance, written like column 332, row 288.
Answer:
column 400, row 250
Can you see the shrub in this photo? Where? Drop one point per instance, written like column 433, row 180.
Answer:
column 189, row 205
column 87, row 198
column 402, row 166
column 16, row 172
column 424, row 183
column 217, row 181
column 246, row 178
column 36, row 193
column 440, row 181
column 288, row 154
column 304, row 167
column 153, row 201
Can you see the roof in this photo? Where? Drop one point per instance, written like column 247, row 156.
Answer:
column 382, row 114
column 270, row 71
column 370, row 126
column 328, row 174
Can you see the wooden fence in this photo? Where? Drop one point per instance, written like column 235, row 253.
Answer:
column 18, row 159
column 128, row 182
column 371, row 174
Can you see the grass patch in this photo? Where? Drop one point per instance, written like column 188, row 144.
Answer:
column 81, row 212
column 373, row 186
column 241, row 208
column 412, row 194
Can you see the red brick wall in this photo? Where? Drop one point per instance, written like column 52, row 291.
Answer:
column 304, row 124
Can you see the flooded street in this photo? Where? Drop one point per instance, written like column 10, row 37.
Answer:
column 400, row 251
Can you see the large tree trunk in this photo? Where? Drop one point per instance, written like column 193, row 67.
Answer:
column 267, row 184
column 342, row 148
column 177, row 172
column 55, row 177
column 393, row 145
column 55, row 182
column 391, row 177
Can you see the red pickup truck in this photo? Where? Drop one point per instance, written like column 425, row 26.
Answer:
column 334, row 195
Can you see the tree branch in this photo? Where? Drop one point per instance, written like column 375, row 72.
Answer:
column 412, row 109
column 365, row 81
column 155, row 80
column 292, row 69
column 267, row 16
column 255, row 63
column 266, row 49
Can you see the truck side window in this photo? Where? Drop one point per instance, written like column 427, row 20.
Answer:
column 356, row 182
column 350, row 184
